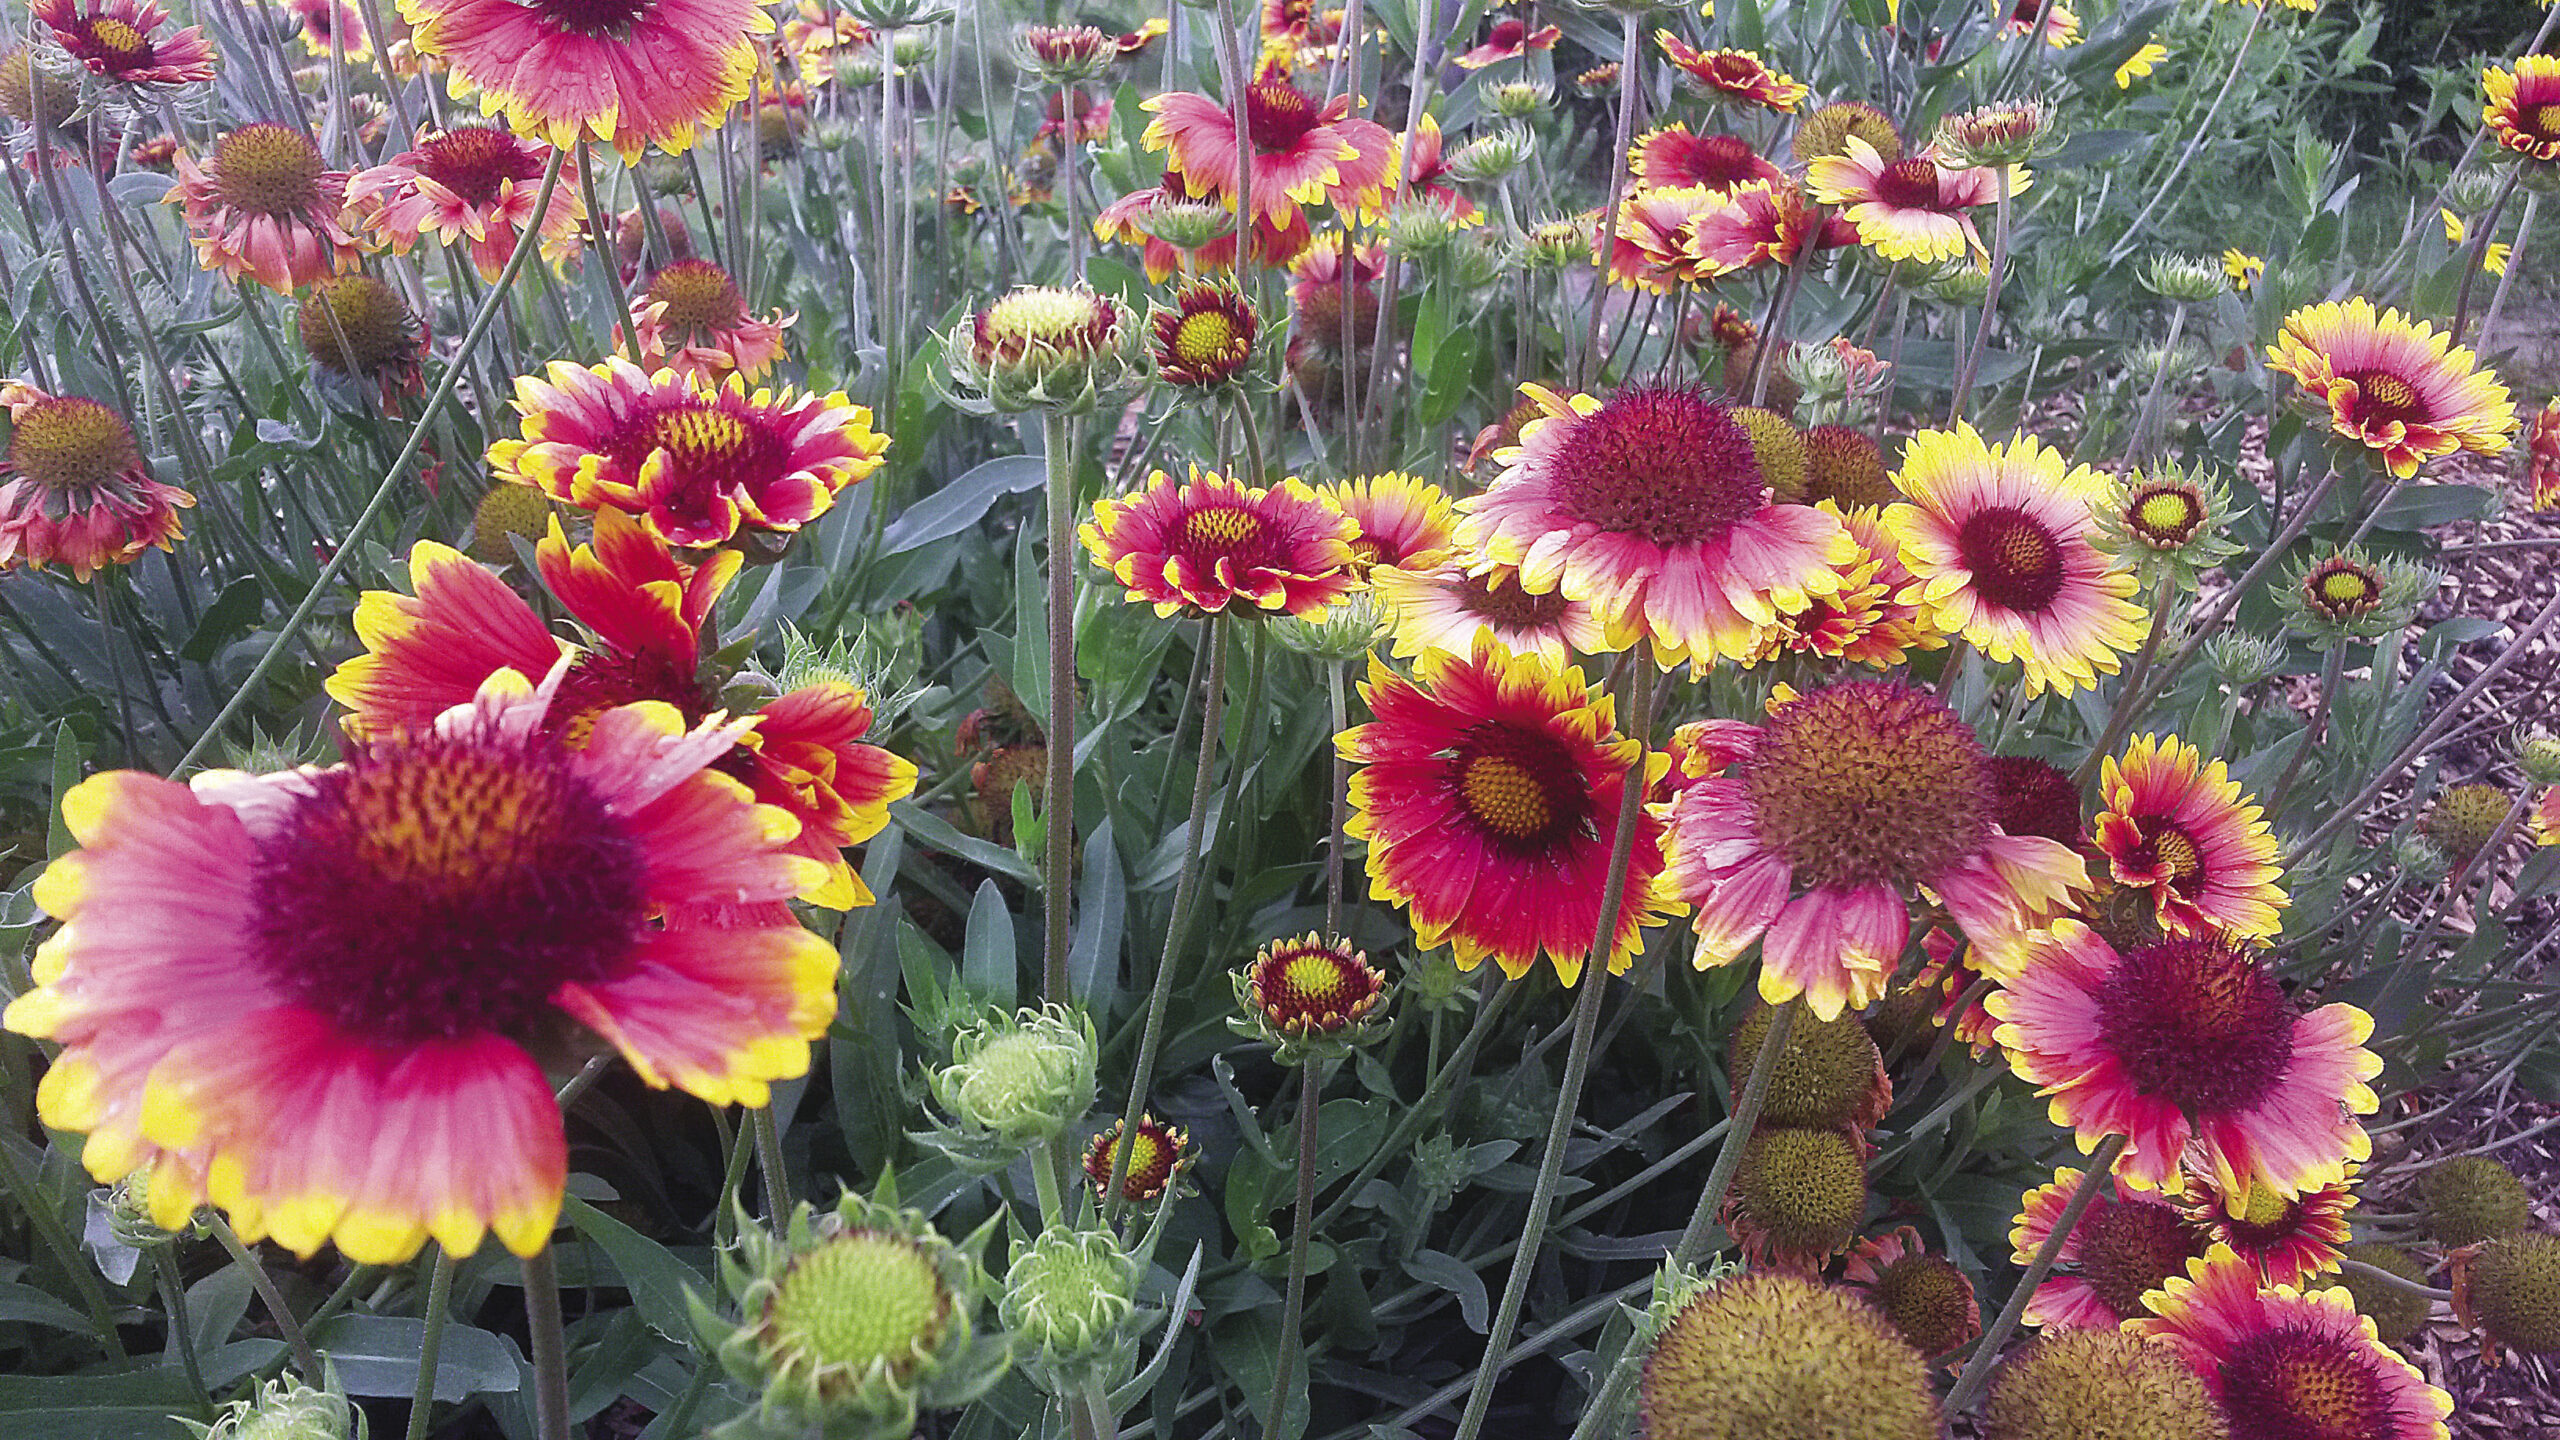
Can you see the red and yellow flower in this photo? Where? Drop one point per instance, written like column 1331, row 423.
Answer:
column 267, row 206
column 1671, row 159
column 694, row 320
column 2542, row 458
column 2190, row 1040
column 629, row 73
column 1302, row 151
column 1999, row 537
column 2394, row 385
column 1912, row 208
column 1875, row 618
column 2181, row 829
column 1441, row 604
column 2288, row 1240
column 2126, row 1245
column 2282, row 1362
column 1736, row 75
column 1217, row 544
column 2061, row 26
column 74, row 488
column 474, row 184
column 695, row 464
column 2544, row 817
column 1651, row 508
column 2521, row 107
column 1849, row 800
column 114, row 40
column 1156, row 1158
column 1400, row 519
column 1206, row 338
column 1761, row 223
column 322, row 1000
column 1488, row 791
column 1510, row 38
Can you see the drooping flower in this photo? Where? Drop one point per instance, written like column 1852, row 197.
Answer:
column 1908, row 209
column 1402, row 519
column 1303, row 151
column 1926, row 1297
column 355, row 325
column 1847, row 801
column 2521, row 107
column 1998, row 536
column 1651, row 508
column 2061, row 26
column 267, row 206
column 1488, row 791
column 629, row 73
column 2140, row 63
column 2245, row 269
column 2287, row 1240
column 1735, row 75
column 2280, row 1362
column 2126, row 1246
column 2394, row 385
column 2190, row 1040
column 696, row 465
column 314, row 998
column 2182, row 830
column 1217, row 544
column 1440, row 605
column 1509, row 38
column 694, row 320
column 1671, row 158
column 2542, row 459
column 74, row 489
column 114, row 39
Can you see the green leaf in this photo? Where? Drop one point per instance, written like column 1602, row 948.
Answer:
column 1102, row 920
column 1448, row 1272
column 1030, row 621
column 226, row 619
column 657, row 1280
column 930, row 830
column 28, row 1305
column 962, row 503
column 66, row 773
column 987, row 952
column 378, row 1355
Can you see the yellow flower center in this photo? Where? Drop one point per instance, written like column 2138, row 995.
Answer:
column 116, row 36
column 699, row 296
column 2545, row 119
column 268, row 169
column 2346, row 590
column 1504, row 797
column 1204, row 338
column 697, row 434
column 1221, row 529
column 1043, row 316
column 2166, row 518
column 69, row 443
column 2178, row 853
column 2389, row 392
column 2262, row 1206
column 1314, row 978
column 860, row 1300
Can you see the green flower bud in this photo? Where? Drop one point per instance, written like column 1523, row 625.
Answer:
column 2239, row 659
column 2189, row 278
column 1419, row 226
column 2538, row 754
column 1020, row 1080
column 1519, row 99
column 1066, row 1298
column 2168, row 521
column 2001, row 134
column 1186, row 224
column 1349, row 627
column 2348, row 593
column 1491, row 158
column 1043, row 348
column 1557, row 245
column 283, row 1409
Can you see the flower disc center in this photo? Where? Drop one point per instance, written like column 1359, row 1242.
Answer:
column 597, row 18
column 2016, row 562
column 1223, row 532
column 1519, row 788
column 2299, row 1384
column 1870, row 782
column 1205, row 337
column 268, row 169
column 2165, row 518
column 2199, row 1023
column 1909, row 184
column 2544, row 121
column 2128, row 1248
column 1662, row 462
column 67, row 443
column 476, row 161
column 118, row 39
column 2344, row 590
column 1277, row 116
column 2387, row 397
column 1508, row 606
column 700, row 297
column 859, row 1300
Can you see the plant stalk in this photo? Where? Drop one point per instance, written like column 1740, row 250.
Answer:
column 1986, row 1352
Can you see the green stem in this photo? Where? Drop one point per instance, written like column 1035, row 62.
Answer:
column 1338, row 707
column 1046, row 1167
column 1426, row 1109
column 1058, row 809
column 347, row 546
column 2148, row 417
column 305, row 1359
column 1977, row 1371
column 2195, row 139
column 1621, row 138
column 547, row 1342
column 2121, row 717
column 422, row 1398
column 2385, row 1277
column 2282, row 790
column 1990, row 290
column 777, row 1180
column 1275, row 1419
column 182, row 1340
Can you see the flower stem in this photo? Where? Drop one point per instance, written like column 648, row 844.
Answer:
column 1274, row 1420
column 1577, row 1063
column 1990, row 292
column 777, row 1180
column 1151, row 1040
column 1607, row 243
column 2121, row 717
column 1977, row 1371
column 547, row 1342
column 2329, row 675
column 2480, row 253
column 1339, row 708
column 182, row 1340
column 2149, row 417
column 1058, row 810
column 305, row 1359
column 2195, row 138
column 422, row 1399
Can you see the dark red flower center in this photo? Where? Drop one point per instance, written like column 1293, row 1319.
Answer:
column 1718, row 162
column 2199, row 1023
column 2170, row 852
column 447, row 888
column 2542, row 120
column 1871, row 782
column 268, row 169
column 2030, row 797
column 1909, row 185
column 473, row 161
column 1501, row 601
column 2299, row 1383
column 1278, row 116
column 1154, row 1153
column 2387, row 398
column 2016, row 562
column 2128, row 1247
column 700, row 297
column 602, row 679
column 1226, row 532
column 68, row 443
column 1520, row 788
column 1663, row 462
column 1506, row 35
column 601, row 19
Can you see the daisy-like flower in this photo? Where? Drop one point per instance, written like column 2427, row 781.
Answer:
column 332, row 27
column 644, row 610
column 1735, row 75
column 2521, row 106
column 694, row 320
column 74, row 489
column 2061, row 26
column 1875, row 618
column 2182, row 830
column 1217, row 544
column 1309, row 998
column 2282, row 1362
column 2245, row 269
column 1912, row 208
column 630, row 73
column 1999, row 537
column 1303, row 151
column 1761, row 223
column 1488, row 792
column 1510, row 38
column 2190, row 1040
column 2126, row 1246
column 1206, row 338
column 1655, row 226
column 472, row 183
column 1651, row 508
column 317, row 999
column 2287, row 1240
column 1844, row 803
column 696, row 465
column 2394, row 385
column 267, row 206
column 1156, row 1158
column 1923, row 1293
column 114, row 39
column 1401, row 519
column 1439, row 605
column 1671, row 159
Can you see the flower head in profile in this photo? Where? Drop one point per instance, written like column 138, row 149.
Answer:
column 1912, row 208
column 1922, row 1292
column 322, row 1000
column 265, row 205
column 74, row 489
column 2181, row 829
column 1217, row 544
column 694, row 320
column 472, row 184
column 2542, row 459
column 1441, row 604
column 1651, row 507
column 2334, row 594
column 1738, row 76
column 2018, row 17
column 696, row 465
column 2125, row 1246
column 2393, row 385
column 119, row 41
column 628, row 73
column 1848, row 801
column 2185, row 1041
column 1508, row 38
column 2282, row 1362
column 1043, row 347
column 1488, row 792
column 1672, row 158
column 1402, row 519
column 1301, row 150
column 1309, row 998
column 2000, row 538
column 2521, row 107
column 356, row 326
